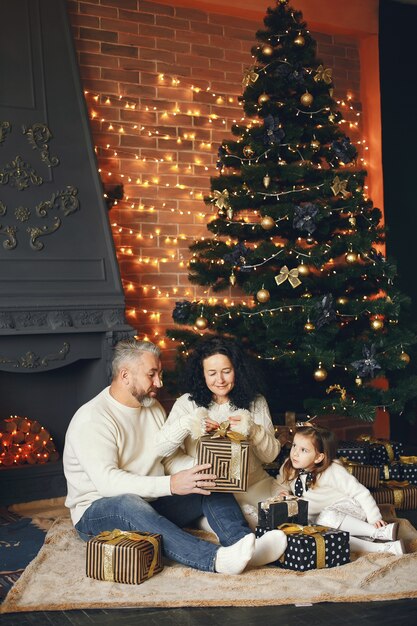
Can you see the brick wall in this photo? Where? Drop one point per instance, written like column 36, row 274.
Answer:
column 161, row 86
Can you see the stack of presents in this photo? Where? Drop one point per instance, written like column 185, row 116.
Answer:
column 378, row 464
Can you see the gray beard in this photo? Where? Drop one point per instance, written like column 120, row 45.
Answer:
column 146, row 401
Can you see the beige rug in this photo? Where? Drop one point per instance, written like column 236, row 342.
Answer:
column 55, row 579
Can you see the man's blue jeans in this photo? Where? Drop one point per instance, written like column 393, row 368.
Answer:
column 167, row 516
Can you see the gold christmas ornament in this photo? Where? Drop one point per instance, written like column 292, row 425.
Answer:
column 342, row 300
column 309, row 327
column 358, row 381
column 263, row 295
column 291, row 275
column 351, row 257
column 405, row 357
column 339, row 186
column 263, row 98
column 352, row 221
column 306, row 99
column 339, row 389
column 267, row 222
column 249, row 76
column 377, row 323
column 315, row 145
column 248, row 152
column 320, row 374
column 232, row 279
column 267, row 49
column 303, row 270
column 229, row 213
column 266, row 181
column 201, row 323
column 221, row 198
column 299, row 41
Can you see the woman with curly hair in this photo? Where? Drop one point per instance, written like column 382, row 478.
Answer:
column 222, row 386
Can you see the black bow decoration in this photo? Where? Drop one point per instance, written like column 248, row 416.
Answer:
column 304, row 217
column 325, row 311
column 182, row 311
column 273, row 134
column 343, row 150
column 367, row 365
column 237, row 257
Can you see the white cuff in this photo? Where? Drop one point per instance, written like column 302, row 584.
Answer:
column 245, row 423
column 196, row 422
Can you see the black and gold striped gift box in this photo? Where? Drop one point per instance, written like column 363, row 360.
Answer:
column 402, row 496
column 124, row 557
column 229, row 461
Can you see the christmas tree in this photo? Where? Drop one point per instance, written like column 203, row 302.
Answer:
column 297, row 233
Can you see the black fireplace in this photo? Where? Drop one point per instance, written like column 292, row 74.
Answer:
column 61, row 297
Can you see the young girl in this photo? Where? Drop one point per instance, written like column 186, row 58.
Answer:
column 335, row 498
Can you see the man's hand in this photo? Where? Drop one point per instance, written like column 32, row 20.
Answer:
column 192, row 481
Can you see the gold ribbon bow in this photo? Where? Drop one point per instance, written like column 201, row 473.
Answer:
column 249, row 76
column 312, row 531
column 324, row 74
column 292, row 276
column 408, row 460
column 382, row 442
column 235, row 448
column 112, row 538
column 221, row 198
column 339, row 186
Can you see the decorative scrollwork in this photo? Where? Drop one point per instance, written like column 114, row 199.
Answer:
column 10, row 231
column 3, row 209
column 22, row 214
column 19, row 174
column 35, row 232
column 5, row 127
column 38, row 136
column 30, row 360
column 65, row 200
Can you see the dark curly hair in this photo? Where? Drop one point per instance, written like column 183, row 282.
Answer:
column 246, row 386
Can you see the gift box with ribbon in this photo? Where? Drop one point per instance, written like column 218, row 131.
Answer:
column 356, row 451
column 368, row 475
column 390, row 471
column 228, row 453
column 312, row 547
column 382, row 451
column 282, row 509
column 397, row 492
column 408, row 466
column 123, row 556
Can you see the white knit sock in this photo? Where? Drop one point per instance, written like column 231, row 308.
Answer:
column 269, row 548
column 233, row 559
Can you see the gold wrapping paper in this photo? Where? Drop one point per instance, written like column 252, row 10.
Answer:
column 229, row 461
column 313, row 531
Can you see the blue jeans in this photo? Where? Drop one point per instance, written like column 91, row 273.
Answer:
column 167, row 516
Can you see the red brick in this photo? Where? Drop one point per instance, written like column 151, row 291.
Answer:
column 192, row 37
column 96, row 9
column 120, row 75
column 155, row 31
column 121, row 4
column 156, row 55
column 98, row 34
column 123, row 51
column 85, row 20
column 172, row 22
column 193, row 61
column 120, row 26
column 139, row 17
column 155, row 7
column 97, row 59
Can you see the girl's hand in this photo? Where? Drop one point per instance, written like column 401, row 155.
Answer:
column 284, row 493
column 380, row 523
column 210, row 425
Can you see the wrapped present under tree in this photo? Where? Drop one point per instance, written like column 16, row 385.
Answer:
column 357, row 451
column 368, row 475
column 282, row 509
column 399, row 493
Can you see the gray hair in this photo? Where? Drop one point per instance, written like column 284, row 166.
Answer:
column 129, row 349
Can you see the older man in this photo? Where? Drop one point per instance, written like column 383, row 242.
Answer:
column 116, row 480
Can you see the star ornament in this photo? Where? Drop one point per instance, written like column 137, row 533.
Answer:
column 249, row 76
column 339, row 186
column 221, row 198
column 367, row 365
column 323, row 74
column 291, row 275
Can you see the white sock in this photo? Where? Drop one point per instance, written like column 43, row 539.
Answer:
column 269, row 548
column 357, row 527
column 363, row 545
column 233, row 559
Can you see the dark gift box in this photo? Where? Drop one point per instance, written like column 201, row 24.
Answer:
column 390, row 471
column 368, row 475
column 357, row 451
column 382, row 451
column 124, row 557
column 229, row 461
column 272, row 514
column 313, row 547
column 408, row 466
column 399, row 493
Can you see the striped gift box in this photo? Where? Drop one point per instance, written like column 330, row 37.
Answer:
column 124, row 557
column 229, row 461
column 402, row 496
column 368, row 475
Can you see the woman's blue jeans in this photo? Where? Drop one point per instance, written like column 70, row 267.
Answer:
column 167, row 516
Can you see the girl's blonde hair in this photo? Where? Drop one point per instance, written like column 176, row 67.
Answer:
column 324, row 442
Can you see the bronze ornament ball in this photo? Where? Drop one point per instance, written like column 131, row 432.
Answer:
column 358, row 381
column 377, row 323
column 248, row 152
column 303, row 270
column 201, row 323
column 342, row 300
column 315, row 145
column 320, row 374
column 309, row 327
column 267, row 49
column 351, row 257
column 299, row 41
column 263, row 296
column 263, row 98
column 267, row 222
column 306, row 99
column 405, row 357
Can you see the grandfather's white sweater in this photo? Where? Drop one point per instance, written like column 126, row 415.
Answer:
column 332, row 486
column 108, row 452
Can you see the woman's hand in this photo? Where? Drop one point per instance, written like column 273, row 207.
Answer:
column 380, row 523
column 235, row 420
column 211, row 425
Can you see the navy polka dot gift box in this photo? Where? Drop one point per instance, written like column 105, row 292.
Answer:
column 308, row 549
column 357, row 451
column 382, row 451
